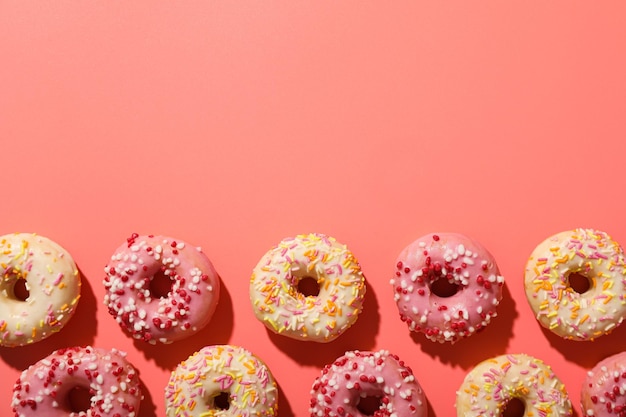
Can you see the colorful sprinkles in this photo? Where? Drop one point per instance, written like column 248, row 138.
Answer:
column 559, row 307
column 113, row 384
column 466, row 267
column 356, row 375
column 493, row 383
column 196, row 384
column 188, row 306
column 53, row 287
column 285, row 310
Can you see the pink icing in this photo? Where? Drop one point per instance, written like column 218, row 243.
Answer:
column 603, row 390
column 356, row 375
column 187, row 308
column 466, row 266
column 43, row 389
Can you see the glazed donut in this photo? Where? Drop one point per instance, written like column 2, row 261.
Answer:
column 446, row 286
column 497, row 383
column 221, row 380
column 46, row 388
column 358, row 381
column 186, row 307
column 604, row 389
column 39, row 291
column 284, row 309
column 571, row 314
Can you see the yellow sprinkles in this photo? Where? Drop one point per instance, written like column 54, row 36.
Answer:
column 279, row 303
column 197, row 382
column 39, row 288
column 575, row 282
column 489, row 387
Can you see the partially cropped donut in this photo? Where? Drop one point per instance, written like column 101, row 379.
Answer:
column 222, row 380
column 45, row 388
column 187, row 306
column 39, row 288
column 604, row 389
column 585, row 312
column 496, row 383
column 361, row 384
column 284, row 309
column 446, row 286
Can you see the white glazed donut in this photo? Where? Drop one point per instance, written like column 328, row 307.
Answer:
column 456, row 261
column 188, row 305
column 495, row 383
column 283, row 309
column 105, row 376
column 51, row 280
column 221, row 380
column 591, row 254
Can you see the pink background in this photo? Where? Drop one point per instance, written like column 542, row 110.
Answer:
column 234, row 124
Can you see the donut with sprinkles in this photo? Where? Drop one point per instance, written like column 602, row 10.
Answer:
column 604, row 389
column 48, row 388
column 39, row 288
column 575, row 283
column 277, row 299
column 446, row 286
column 362, row 384
column 221, row 380
column 180, row 306
column 514, row 380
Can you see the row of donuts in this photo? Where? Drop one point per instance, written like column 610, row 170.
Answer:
column 229, row 380
column 446, row 286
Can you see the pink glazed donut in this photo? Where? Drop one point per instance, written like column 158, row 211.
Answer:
column 362, row 384
column 446, row 286
column 603, row 392
column 186, row 307
column 47, row 387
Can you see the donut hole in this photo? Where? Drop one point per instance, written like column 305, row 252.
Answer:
column 161, row 285
column 444, row 288
column 369, row 404
column 308, row 287
column 514, row 408
column 222, row 401
column 20, row 290
column 78, row 399
column 578, row 282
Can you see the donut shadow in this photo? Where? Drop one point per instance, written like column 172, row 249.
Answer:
column 588, row 353
column 217, row 332
column 360, row 336
column 147, row 407
column 363, row 333
column 80, row 330
column 284, row 408
column 429, row 407
column 491, row 341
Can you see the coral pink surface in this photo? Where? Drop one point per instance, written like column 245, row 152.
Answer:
column 234, row 124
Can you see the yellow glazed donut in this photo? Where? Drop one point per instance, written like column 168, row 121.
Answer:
column 39, row 291
column 284, row 309
column 497, row 383
column 575, row 283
